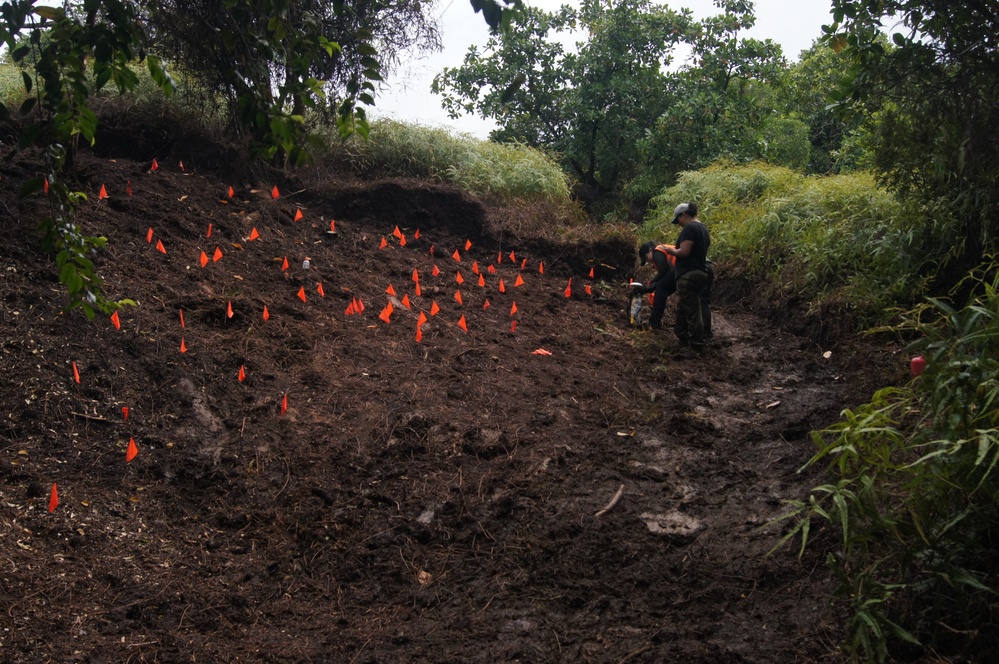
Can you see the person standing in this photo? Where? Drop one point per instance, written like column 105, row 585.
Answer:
column 691, row 272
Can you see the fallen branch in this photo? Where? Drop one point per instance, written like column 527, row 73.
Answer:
column 613, row 501
column 93, row 418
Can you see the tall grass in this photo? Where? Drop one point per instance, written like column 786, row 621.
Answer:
column 836, row 241
column 915, row 499
column 502, row 171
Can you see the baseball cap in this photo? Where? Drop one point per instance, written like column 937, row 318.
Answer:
column 678, row 210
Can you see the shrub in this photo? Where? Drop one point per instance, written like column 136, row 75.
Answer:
column 916, row 499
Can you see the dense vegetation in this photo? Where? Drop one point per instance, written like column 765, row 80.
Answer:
column 860, row 180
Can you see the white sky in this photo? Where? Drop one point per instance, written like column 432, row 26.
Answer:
column 794, row 24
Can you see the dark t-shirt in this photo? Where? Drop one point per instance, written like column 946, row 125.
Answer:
column 696, row 232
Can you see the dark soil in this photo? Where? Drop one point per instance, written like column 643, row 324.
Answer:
column 441, row 500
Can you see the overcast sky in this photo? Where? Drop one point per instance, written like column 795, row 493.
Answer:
column 794, row 24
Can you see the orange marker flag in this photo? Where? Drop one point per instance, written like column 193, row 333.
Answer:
column 396, row 232
column 541, row 268
column 513, row 309
column 390, row 290
column 457, row 297
column 482, row 282
column 359, row 307
column 499, row 257
column 383, row 244
column 416, row 275
column 421, row 319
column 284, row 405
column 513, row 259
column 416, row 235
column 54, row 498
column 159, row 247
column 386, row 314
column 181, row 311
column 402, row 241
column 462, row 324
column 460, row 279
column 208, row 233
column 154, row 165
column 485, row 305
column 149, row 235
column 266, row 314
column 301, row 294
column 588, row 290
column 76, row 373
column 115, row 321
column 431, row 250
column 491, row 270
column 298, row 214
column 254, row 234
column 319, row 289
column 419, row 334
column 591, row 273
column 275, row 193
column 349, row 311
column 513, row 326
column 436, row 271
column 468, row 245
column 284, row 265
column 242, row 373
column 456, row 256
column 523, row 264
column 181, row 167
column 434, row 309
column 405, row 302
column 124, row 413
column 217, row 256
column 519, row 281
column 332, row 226
column 103, row 193
column 183, row 346
column 133, row 450
column 231, row 192
column 203, row 259
column 418, row 291
column 45, row 185
column 475, row 267
column 228, row 309
column 502, row 286
column 568, row 288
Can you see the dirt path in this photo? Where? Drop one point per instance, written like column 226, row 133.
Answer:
column 460, row 498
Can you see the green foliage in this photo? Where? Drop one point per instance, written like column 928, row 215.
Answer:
column 504, row 172
column 932, row 91
column 64, row 58
column 589, row 106
column 839, row 242
column 917, row 495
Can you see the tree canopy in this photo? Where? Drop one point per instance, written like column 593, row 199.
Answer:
column 620, row 107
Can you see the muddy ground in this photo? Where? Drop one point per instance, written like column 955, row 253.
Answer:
column 571, row 490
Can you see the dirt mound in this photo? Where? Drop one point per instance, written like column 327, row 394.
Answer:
column 530, row 480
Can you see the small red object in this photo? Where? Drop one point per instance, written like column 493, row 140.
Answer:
column 917, row 365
